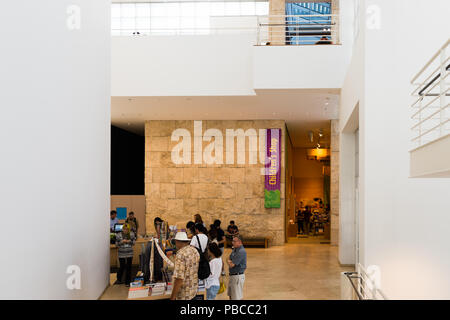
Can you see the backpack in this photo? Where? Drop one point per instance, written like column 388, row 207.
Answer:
column 203, row 265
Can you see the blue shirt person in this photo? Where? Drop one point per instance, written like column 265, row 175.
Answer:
column 113, row 220
column 237, row 264
column 238, row 258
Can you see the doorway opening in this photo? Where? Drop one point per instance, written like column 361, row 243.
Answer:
column 311, row 182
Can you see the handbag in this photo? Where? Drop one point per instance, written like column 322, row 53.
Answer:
column 222, row 286
column 203, row 266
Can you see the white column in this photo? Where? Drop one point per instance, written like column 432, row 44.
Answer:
column 55, row 146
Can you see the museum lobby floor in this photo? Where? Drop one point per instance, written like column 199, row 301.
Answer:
column 295, row 271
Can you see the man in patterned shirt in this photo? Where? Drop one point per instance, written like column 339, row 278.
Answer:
column 186, row 269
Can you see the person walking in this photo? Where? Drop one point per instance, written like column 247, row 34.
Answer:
column 125, row 241
column 215, row 264
column 237, row 264
column 185, row 274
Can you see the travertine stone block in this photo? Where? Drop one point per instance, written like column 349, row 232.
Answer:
column 244, row 191
column 190, row 175
column 158, row 144
column 334, row 236
column 222, row 207
column 152, row 190
column 221, row 175
column 275, row 224
column 227, row 191
column 206, row 207
column 159, row 175
column 190, row 208
column 156, row 206
column 206, row 175
column 175, row 207
column 182, row 191
column 166, row 160
column 253, row 206
column 175, row 175
column 237, row 175
column 148, row 175
column 167, row 190
column 253, row 175
column 148, row 159
column 238, row 206
column 257, row 190
column 334, row 221
column 157, row 128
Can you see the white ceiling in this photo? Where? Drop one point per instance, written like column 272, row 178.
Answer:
column 303, row 110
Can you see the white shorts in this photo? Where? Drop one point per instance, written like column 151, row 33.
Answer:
column 236, row 287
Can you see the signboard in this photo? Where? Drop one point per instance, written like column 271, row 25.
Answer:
column 121, row 213
column 272, row 187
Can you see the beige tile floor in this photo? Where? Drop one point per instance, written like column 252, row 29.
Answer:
column 301, row 269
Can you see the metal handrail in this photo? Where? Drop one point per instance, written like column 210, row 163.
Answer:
column 430, row 61
column 433, row 80
column 431, row 120
column 351, row 276
column 291, row 29
column 361, row 287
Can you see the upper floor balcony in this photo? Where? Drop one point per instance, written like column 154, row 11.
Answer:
column 430, row 153
column 227, row 48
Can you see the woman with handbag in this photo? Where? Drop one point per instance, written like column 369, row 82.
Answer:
column 216, row 265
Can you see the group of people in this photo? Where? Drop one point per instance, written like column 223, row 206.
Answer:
column 130, row 220
column 307, row 218
column 199, row 241
column 190, row 246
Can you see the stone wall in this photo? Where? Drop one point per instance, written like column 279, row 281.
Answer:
column 175, row 192
column 277, row 10
column 334, row 183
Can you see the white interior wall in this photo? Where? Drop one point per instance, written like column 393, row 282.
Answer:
column 55, row 147
column 351, row 104
column 184, row 65
column 405, row 220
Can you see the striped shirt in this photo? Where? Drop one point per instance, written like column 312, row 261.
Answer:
column 125, row 249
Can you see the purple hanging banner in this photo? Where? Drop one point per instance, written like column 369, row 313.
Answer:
column 272, row 188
